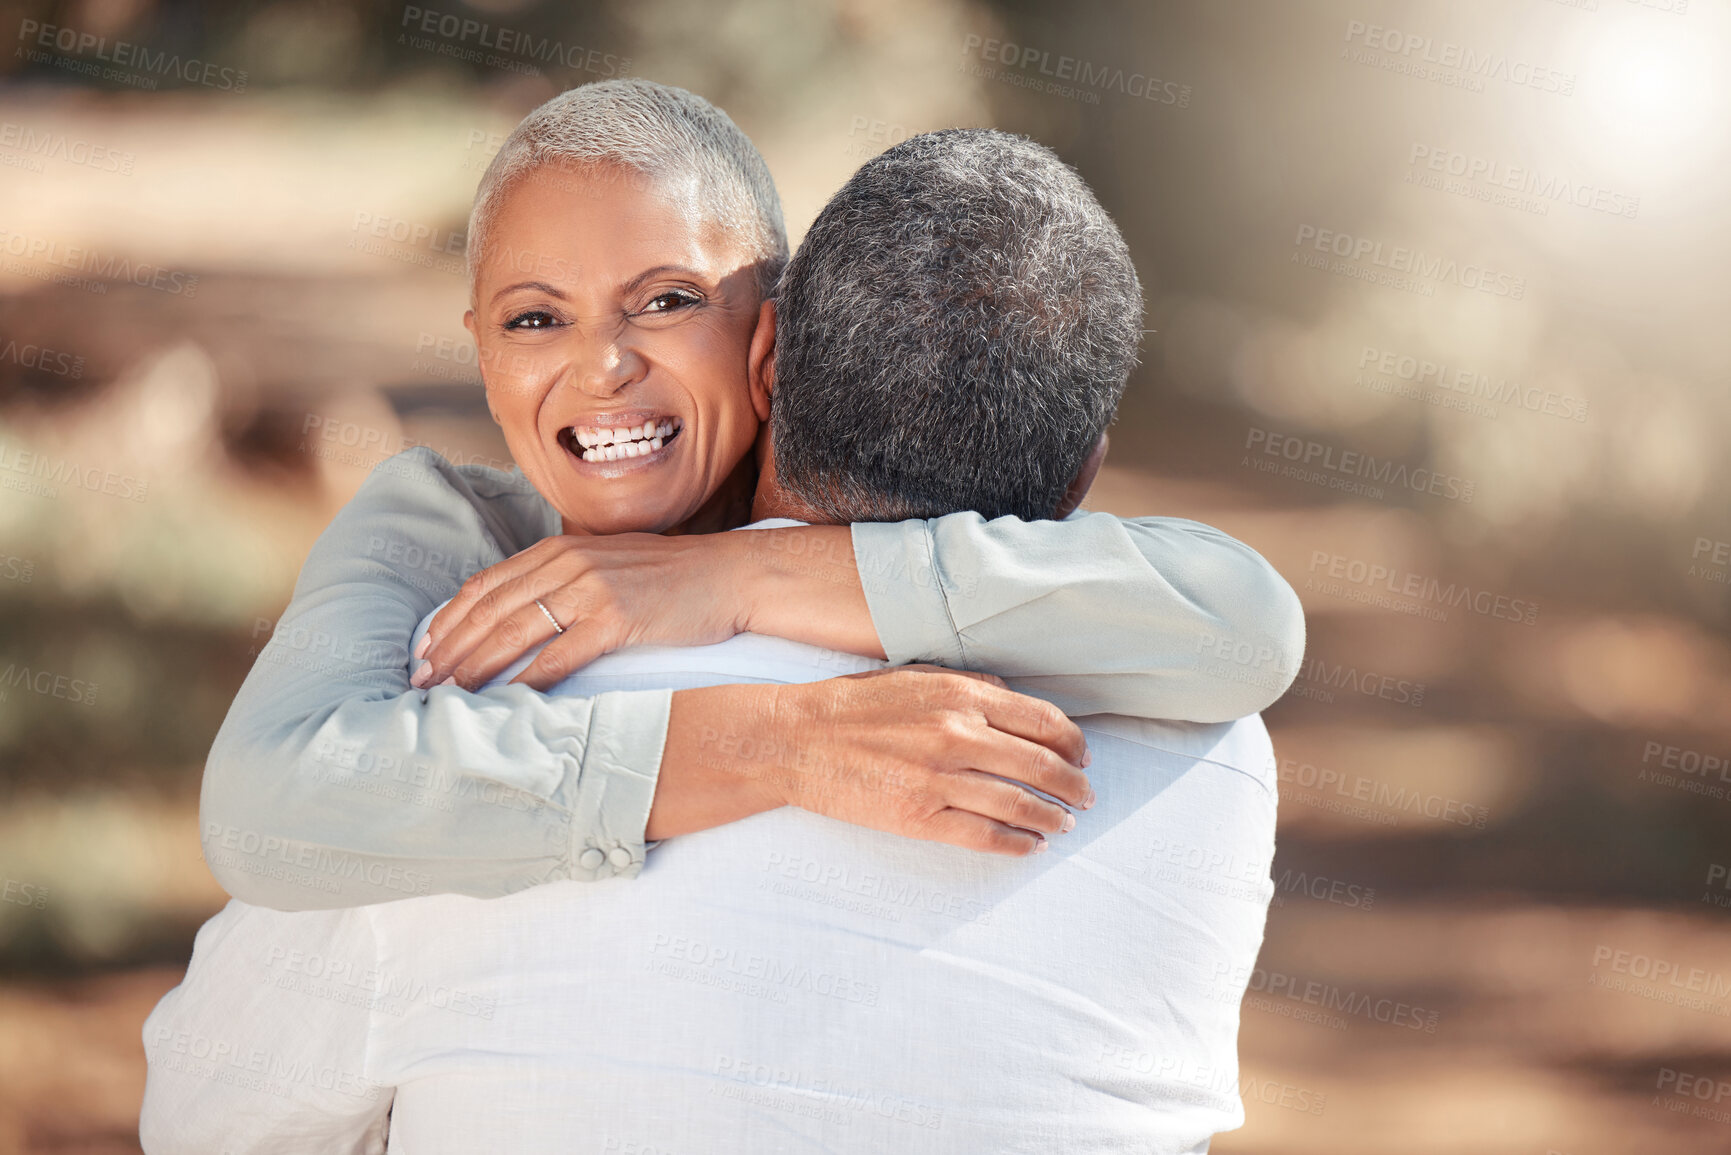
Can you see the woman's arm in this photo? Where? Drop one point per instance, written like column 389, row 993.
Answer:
column 333, row 783
column 1154, row 617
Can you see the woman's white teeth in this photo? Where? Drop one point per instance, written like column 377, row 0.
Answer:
column 633, row 441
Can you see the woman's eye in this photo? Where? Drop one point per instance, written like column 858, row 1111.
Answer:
column 534, row 319
column 669, row 301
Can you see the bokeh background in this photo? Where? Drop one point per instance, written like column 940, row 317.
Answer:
column 1437, row 298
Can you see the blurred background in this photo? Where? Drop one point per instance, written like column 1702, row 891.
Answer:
column 1437, row 298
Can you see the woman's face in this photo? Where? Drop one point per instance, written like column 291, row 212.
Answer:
column 613, row 325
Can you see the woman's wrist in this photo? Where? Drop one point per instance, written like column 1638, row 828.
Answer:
column 802, row 583
column 720, row 761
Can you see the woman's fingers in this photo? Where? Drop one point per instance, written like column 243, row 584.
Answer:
column 972, row 831
column 560, row 658
column 498, row 627
column 1039, row 722
column 1007, row 755
column 1007, row 803
column 484, row 582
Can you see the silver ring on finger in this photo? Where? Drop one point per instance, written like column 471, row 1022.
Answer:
column 556, row 626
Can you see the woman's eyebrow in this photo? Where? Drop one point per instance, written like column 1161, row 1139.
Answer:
column 647, row 275
column 540, row 286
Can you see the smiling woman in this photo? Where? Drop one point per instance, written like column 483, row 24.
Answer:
column 617, row 372
column 622, row 247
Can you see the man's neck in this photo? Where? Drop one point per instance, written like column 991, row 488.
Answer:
column 770, row 499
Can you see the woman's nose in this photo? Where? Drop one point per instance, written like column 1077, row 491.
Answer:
column 604, row 367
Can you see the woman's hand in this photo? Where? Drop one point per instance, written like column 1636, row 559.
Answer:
column 917, row 751
column 627, row 589
column 636, row 589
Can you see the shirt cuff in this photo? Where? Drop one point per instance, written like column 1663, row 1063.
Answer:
column 905, row 592
column 616, row 783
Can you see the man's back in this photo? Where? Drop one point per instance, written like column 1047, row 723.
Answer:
column 794, row 983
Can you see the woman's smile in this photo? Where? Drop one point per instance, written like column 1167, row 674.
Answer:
column 608, row 445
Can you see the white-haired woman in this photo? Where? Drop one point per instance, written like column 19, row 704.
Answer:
column 622, row 247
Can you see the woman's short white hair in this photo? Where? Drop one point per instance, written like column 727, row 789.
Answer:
column 662, row 133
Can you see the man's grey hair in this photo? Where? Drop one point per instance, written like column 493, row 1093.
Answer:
column 954, row 333
column 657, row 134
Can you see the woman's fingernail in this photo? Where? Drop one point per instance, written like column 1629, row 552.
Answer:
column 422, row 672
column 1087, row 754
column 1040, row 847
column 1092, row 798
column 450, row 681
column 422, row 646
column 1069, row 823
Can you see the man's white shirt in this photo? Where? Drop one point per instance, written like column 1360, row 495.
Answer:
column 787, row 983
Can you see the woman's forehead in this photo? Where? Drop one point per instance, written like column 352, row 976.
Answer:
column 605, row 220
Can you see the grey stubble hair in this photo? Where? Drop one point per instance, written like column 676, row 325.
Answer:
column 954, row 333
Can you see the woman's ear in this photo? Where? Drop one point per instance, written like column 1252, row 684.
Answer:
column 1084, row 479
column 760, row 362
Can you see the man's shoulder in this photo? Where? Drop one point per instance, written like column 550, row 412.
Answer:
column 1242, row 745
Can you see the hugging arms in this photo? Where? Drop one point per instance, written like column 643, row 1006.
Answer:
column 603, row 311
column 333, row 783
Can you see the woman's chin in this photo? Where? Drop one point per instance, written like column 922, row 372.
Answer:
column 611, row 508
